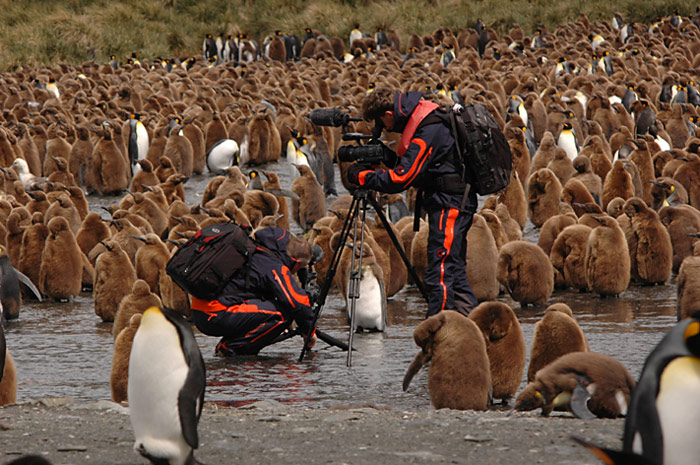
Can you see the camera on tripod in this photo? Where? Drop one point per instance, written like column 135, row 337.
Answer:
column 371, row 153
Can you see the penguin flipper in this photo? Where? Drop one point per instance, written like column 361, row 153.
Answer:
column 191, row 396
column 3, row 349
column 419, row 360
column 579, row 402
column 610, row 456
column 23, row 278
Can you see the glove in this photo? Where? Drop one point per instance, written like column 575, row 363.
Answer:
column 353, row 173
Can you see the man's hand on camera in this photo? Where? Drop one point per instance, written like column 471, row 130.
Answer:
column 353, row 173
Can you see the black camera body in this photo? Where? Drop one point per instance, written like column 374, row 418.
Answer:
column 369, row 154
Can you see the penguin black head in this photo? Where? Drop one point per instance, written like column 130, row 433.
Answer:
column 566, row 125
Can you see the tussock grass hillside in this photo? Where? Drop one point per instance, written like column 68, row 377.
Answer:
column 51, row 31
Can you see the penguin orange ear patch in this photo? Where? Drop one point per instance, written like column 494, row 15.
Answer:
column 693, row 329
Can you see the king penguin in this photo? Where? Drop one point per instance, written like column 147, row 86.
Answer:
column 225, row 153
column 138, row 142
column 567, row 140
column 663, row 419
column 166, row 388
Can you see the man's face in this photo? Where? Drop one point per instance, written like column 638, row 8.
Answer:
column 388, row 120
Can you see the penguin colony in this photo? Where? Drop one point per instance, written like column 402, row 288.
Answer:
column 601, row 118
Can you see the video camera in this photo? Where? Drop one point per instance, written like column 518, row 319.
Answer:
column 371, row 153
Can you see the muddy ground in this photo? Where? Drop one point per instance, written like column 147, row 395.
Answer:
column 267, row 432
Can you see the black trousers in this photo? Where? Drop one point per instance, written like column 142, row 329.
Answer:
column 446, row 275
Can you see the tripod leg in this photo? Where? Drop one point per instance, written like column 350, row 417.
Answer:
column 356, row 274
column 398, row 247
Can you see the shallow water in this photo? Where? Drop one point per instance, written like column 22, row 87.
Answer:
column 64, row 350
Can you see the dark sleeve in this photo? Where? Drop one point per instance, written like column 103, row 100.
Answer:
column 411, row 165
column 288, row 292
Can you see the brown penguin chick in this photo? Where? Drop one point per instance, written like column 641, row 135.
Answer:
column 260, row 139
column 419, row 249
column 688, row 174
column 607, row 258
column 122, row 231
column 172, row 295
column 152, row 213
column 677, row 128
column 396, row 280
column 196, row 137
column 688, row 285
column 80, row 158
column 311, row 204
column 63, row 207
column 39, row 202
column 165, row 168
column 56, row 146
column 555, row 383
column 585, row 174
column 505, row 347
column 518, row 148
column 150, row 260
column 144, row 177
column 514, row 198
column 179, row 149
column 496, row 227
column 109, row 167
column 214, row 131
column 545, row 152
column 114, row 278
column 616, row 207
column 557, row 333
column 273, row 185
column 33, row 241
column 258, row 204
column 174, row 187
column 482, row 258
column 654, row 252
column 8, row 381
column 561, row 165
column 459, row 376
column 543, row 194
column 60, row 276
column 233, row 186
column 136, row 302
column 618, row 183
column 61, row 174
column 575, row 191
column 119, row 376
column 13, row 238
column 77, row 196
column 641, row 158
column 680, row 221
column 92, row 230
column 551, row 229
column 676, row 158
column 526, row 272
column 322, row 239
column 568, row 257
column 666, row 192
column 510, row 226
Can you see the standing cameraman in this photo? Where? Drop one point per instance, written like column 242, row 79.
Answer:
column 426, row 153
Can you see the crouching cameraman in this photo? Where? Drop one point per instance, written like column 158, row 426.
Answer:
column 257, row 306
column 426, row 160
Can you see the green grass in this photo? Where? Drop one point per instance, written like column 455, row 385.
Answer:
column 48, row 32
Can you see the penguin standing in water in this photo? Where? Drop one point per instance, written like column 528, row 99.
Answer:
column 138, row 142
column 166, row 383
column 663, row 419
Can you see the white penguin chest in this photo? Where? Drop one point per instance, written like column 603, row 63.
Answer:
column 678, row 404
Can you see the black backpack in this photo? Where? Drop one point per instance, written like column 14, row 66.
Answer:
column 483, row 154
column 208, row 260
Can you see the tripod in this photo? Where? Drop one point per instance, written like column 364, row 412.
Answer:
column 355, row 218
